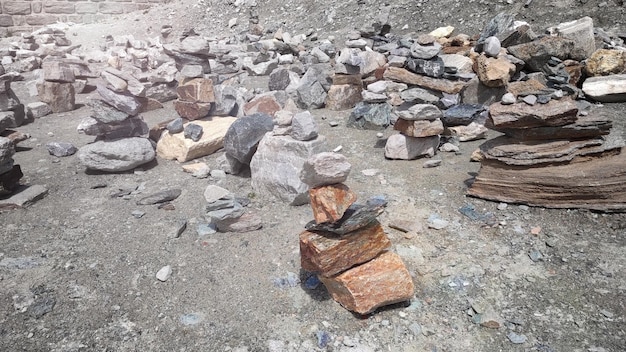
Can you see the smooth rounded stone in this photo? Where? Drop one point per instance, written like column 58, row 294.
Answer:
column 425, row 52
column 403, row 147
column 303, row 127
column 61, row 149
column 117, row 155
column 243, row 136
column 516, row 338
column 325, row 169
column 508, row 99
column 164, row 273
column 175, row 126
column 530, row 99
column 431, row 163
column 492, row 46
column 193, row 132
column 214, row 193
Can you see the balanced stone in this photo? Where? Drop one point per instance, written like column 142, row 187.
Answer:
column 325, row 168
column 243, row 136
column 329, row 203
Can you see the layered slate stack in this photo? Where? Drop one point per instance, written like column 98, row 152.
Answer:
column 345, row 245
column 11, row 110
column 552, row 157
column 228, row 212
column 57, row 89
column 121, row 142
column 420, row 127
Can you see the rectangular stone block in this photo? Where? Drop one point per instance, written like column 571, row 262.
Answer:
column 377, row 283
column 329, row 203
column 110, row 8
column 6, row 21
column 16, row 8
column 328, row 254
column 42, row 20
column 58, row 7
column 60, row 96
column 419, row 128
column 86, row 7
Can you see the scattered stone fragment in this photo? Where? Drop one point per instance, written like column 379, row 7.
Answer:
column 61, row 149
column 193, row 131
column 431, row 163
column 175, row 126
column 160, row 197
column 164, row 273
column 118, row 155
column 516, row 338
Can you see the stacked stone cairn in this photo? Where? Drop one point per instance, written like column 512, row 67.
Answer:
column 57, row 89
column 227, row 212
column 346, row 246
column 12, row 112
column 10, row 174
column 121, row 133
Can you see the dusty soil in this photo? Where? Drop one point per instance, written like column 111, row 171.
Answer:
column 77, row 270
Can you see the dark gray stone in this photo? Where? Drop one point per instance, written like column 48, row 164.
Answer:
column 124, row 102
column 193, row 132
column 279, row 79
column 243, row 136
column 370, row 116
column 175, row 126
column 418, row 96
column 160, row 197
column 462, row 114
column 61, row 149
column 356, row 217
column 431, row 68
column 131, row 127
column 225, row 101
column 496, row 27
column 105, row 113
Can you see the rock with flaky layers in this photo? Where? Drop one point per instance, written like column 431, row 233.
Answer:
column 123, row 102
column 276, row 165
column 176, row 146
column 521, row 115
column 118, row 155
column 377, row 283
column 327, row 254
column 329, row 203
column 441, row 85
column 325, row 168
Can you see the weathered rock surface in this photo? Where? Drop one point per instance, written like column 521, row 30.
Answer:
column 379, row 282
column 521, row 115
column 243, row 136
column 328, row 254
column 419, row 128
column 370, row 116
column 330, row 202
column 403, row 147
column 117, row 155
column 59, row 96
column 607, row 89
column 176, row 146
column 123, row 102
column 441, row 85
column 325, row 168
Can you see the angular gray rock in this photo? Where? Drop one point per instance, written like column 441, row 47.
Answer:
column 37, row 109
column 420, row 112
column 193, row 132
column 303, row 126
column 175, row 126
column 243, row 136
column 276, row 166
column 226, row 98
column 370, row 116
column 123, row 102
column 462, row 114
column 131, row 127
column 61, row 149
column 105, row 113
column 117, row 155
column 418, row 96
column 425, row 52
column 325, row 168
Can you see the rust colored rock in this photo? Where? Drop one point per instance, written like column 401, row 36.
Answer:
column 493, row 72
column 419, row 128
column 264, row 103
column 327, row 254
column 521, row 115
column 353, row 80
column 329, row 203
column 191, row 110
column 575, row 71
column 197, row 90
column 606, row 62
column 524, row 88
column 377, row 283
column 441, row 85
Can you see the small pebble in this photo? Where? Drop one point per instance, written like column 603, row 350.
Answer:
column 431, row 163
column 138, row 213
column 164, row 273
column 516, row 338
column 336, row 150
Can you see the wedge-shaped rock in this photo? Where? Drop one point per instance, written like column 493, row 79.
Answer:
column 419, row 128
column 356, row 217
column 377, row 283
column 597, row 183
column 441, row 85
column 607, row 89
column 176, row 146
column 60, row 96
column 521, row 115
column 328, row 254
column 192, row 110
column 584, row 127
column 197, row 90
column 329, row 203
column 123, row 102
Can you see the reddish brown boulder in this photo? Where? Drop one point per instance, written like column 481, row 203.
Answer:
column 329, row 254
column 197, row 90
column 419, row 128
column 191, row 110
column 493, row 72
column 379, row 282
column 265, row 103
column 329, row 203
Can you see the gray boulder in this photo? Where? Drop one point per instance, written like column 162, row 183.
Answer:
column 117, row 155
column 370, row 116
column 243, row 136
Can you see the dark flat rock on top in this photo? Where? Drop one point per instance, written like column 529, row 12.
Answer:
column 160, row 197
column 356, row 217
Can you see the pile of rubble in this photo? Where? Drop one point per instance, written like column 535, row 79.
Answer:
column 346, row 246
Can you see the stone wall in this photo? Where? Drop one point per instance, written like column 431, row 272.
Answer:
column 23, row 16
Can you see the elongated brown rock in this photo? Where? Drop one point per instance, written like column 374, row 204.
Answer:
column 328, row 254
column 584, row 127
column 419, row 128
column 377, row 283
column 521, row 115
column 441, row 85
column 597, row 183
column 329, row 203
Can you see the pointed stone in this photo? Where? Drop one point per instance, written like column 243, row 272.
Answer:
column 329, row 203
column 328, row 254
column 325, row 169
column 183, row 149
column 377, row 283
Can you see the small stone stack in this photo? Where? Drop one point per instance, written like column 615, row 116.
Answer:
column 227, row 212
column 10, row 174
column 195, row 98
column 57, row 88
column 12, row 112
column 420, row 127
column 121, row 142
column 553, row 157
column 345, row 245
